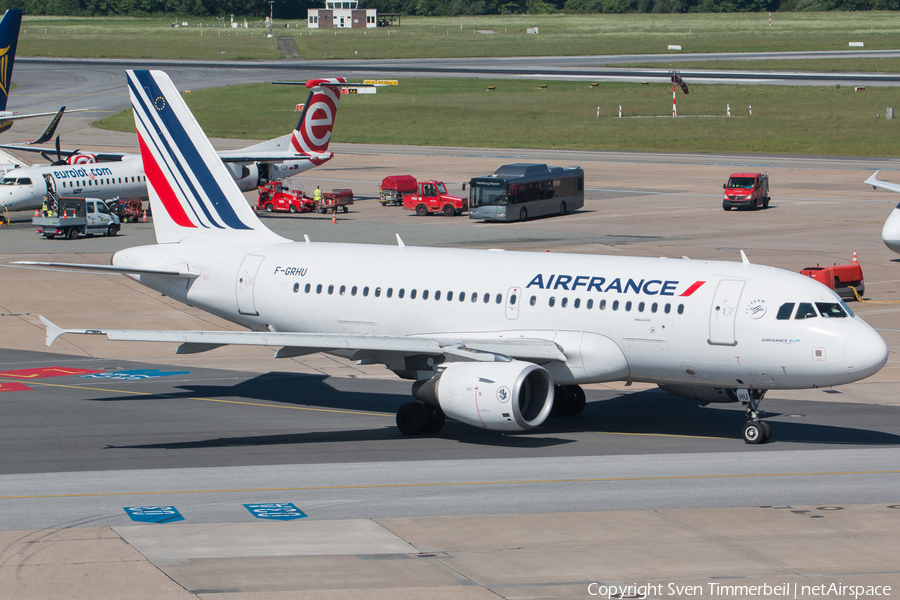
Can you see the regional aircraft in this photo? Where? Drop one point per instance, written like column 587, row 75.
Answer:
column 107, row 175
column 499, row 344
column 890, row 233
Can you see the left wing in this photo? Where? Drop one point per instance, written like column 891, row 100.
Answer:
column 295, row 344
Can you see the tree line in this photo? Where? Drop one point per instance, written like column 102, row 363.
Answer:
column 296, row 9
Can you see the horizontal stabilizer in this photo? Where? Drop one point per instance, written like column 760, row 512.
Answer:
column 875, row 182
column 110, row 269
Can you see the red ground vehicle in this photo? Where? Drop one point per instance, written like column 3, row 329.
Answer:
column 334, row 200
column 746, row 191
column 432, row 197
column 274, row 196
column 396, row 187
column 127, row 208
column 840, row 278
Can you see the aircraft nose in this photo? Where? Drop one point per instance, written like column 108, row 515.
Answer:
column 865, row 352
column 891, row 231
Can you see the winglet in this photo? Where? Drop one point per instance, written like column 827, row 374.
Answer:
column 744, row 259
column 53, row 330
column 399, row 241
column 873, row 178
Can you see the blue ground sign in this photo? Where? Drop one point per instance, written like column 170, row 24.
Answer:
column 278, row 511
column 135, row 375
column 154, row 514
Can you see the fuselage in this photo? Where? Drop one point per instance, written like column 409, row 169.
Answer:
column 24, row 189
column 672, row 321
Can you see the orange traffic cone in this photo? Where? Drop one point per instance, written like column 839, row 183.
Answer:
column 144, row 218
column 855, row 260
column 37, row 213
column 334, row 216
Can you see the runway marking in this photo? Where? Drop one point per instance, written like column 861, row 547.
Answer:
column 453, row 483
column 117, row 391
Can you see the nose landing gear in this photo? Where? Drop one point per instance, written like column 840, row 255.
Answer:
column 754, row 431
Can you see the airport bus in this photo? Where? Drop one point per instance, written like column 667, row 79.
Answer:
column 523, row 191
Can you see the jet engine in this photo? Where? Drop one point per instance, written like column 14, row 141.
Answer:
column 246, row 176
column 502, row 396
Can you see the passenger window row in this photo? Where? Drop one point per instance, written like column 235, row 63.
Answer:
column 99, row 182
column 614, row 305
column 401, row 293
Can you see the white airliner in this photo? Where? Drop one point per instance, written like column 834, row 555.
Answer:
column 107, row 175
column 890, row 233
column 499, row 344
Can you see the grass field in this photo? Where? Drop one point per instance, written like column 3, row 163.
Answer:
column 420, row 37
column 518, row 114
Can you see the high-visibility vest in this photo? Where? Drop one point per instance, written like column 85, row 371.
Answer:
column 317, row 195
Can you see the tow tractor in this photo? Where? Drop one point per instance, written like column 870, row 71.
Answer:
column 843, row 279
column 276, row 196
column 432, row 197
column 73, row 216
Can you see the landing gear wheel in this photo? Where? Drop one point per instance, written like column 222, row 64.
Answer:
column 755, row 432
column 767, row 431
column 422, row 210
column 562, row 397
column 436, row 419
column 449, row 211
column 577, row 401
column 523, row 215
column 412, row 418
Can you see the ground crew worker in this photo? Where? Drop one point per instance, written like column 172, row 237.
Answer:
column 317, row 195
column 44, row 206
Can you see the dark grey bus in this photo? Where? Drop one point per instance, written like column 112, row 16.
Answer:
column 524, row 191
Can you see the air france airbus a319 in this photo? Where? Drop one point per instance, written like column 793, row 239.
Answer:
column 107, row 175
column 499, row 344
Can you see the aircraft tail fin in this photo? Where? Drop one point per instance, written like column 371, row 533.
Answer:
column 313, row 131
column 9, row 38
column 51, row 128
column 193, row 195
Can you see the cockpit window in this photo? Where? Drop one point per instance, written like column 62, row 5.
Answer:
column 831, row 309
column 8, row 181
column 806, row 311
column 785, row 311
column 847, row 308
column 24, row 181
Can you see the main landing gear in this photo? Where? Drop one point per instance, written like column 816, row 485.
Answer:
column 755, row 431
column 568, row 400
column 416, row 418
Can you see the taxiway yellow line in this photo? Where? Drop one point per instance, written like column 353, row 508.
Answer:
column 175, row 396
column 454, row 483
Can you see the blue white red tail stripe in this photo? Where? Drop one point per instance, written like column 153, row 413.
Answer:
column 164, row 132
column 191, row 191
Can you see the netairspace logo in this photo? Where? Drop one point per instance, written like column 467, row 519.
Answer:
column 717, row 590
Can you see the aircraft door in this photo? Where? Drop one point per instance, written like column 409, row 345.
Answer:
column 724, row 311
column 246, row 282
column 513, row 300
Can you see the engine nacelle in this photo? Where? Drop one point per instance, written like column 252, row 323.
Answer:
column 246, row 176
column 701, row 393
column 501, row 396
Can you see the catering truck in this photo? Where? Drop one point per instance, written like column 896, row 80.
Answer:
column 70, row 217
